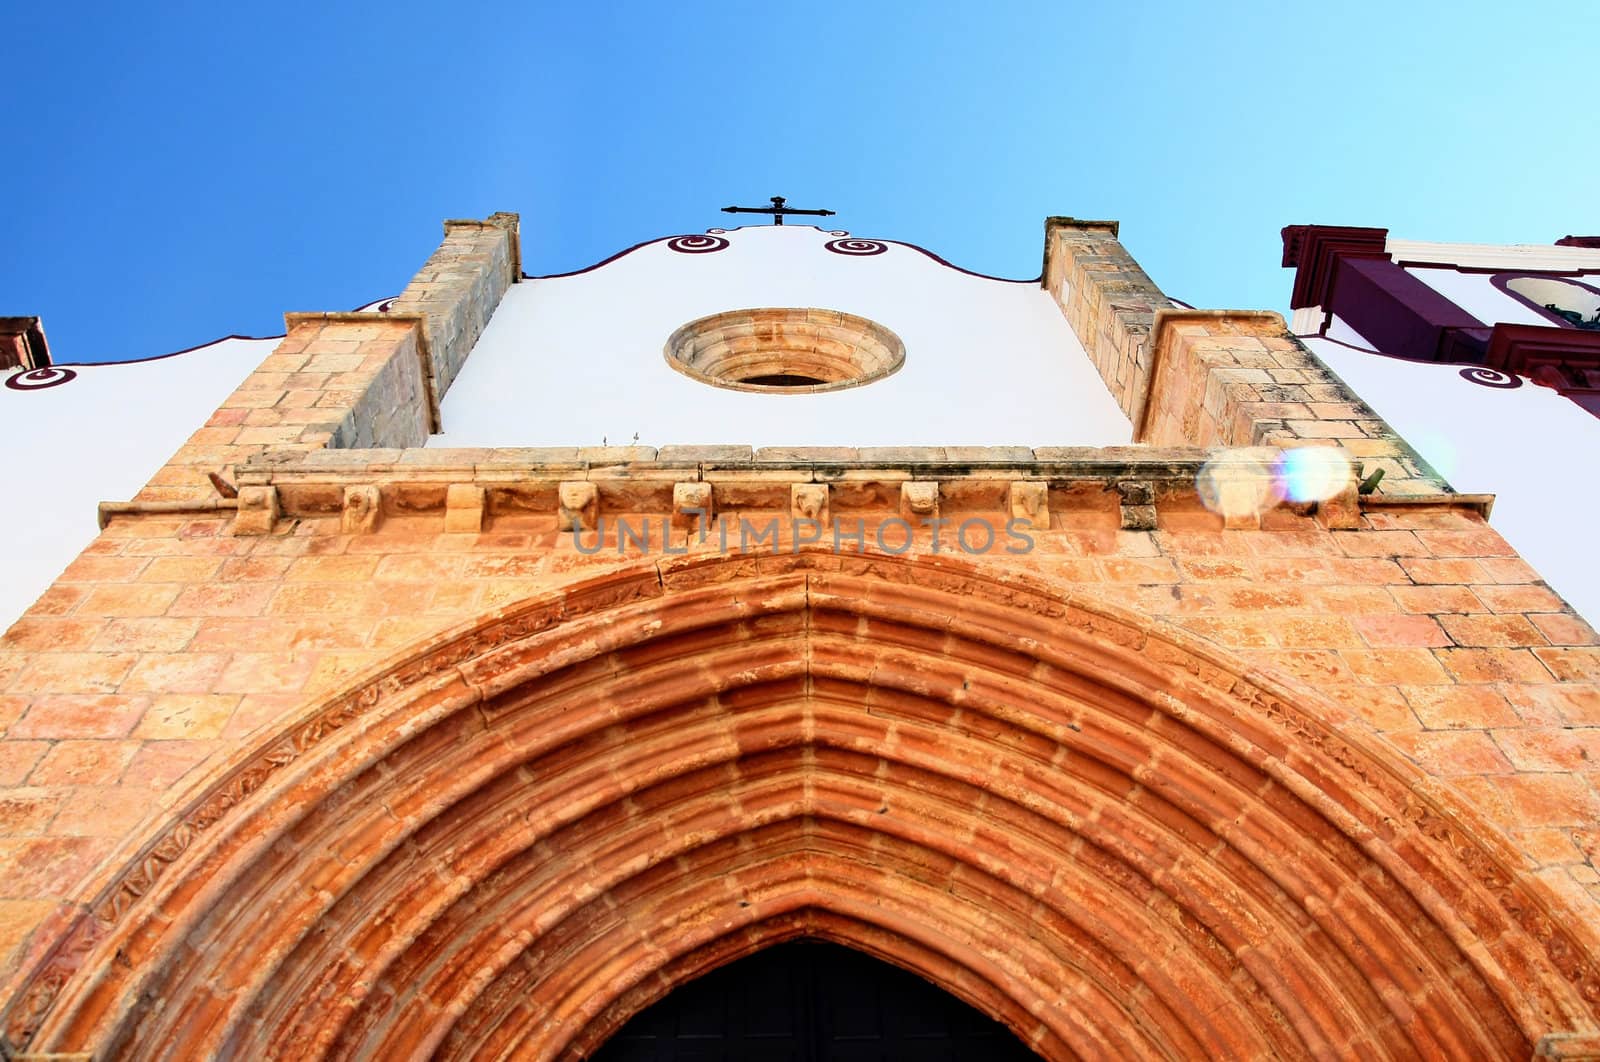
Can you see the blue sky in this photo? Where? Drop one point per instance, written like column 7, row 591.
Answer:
column 182, row 171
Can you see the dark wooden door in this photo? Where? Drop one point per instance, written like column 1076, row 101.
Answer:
column 808, row 1001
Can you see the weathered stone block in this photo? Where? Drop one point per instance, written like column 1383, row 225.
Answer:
column 1342, row 511
column 258, row 511
column 722, row 455
column 1029, row 501
column 919, row 500
column 579, row 506
column 616, row 455
column 1139, row 517
column 808, row 454
column 1136, row 492
column 362, row 511
column 809, row 501
column 463, row 508
column 691, row 505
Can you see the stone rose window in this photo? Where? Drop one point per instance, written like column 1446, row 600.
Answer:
column 785, row 351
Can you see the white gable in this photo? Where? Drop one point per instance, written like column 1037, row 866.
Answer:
column 577, row 359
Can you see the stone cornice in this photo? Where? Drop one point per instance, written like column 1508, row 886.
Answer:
column 1496, row 256
column 645, row 479
column 1314, row 252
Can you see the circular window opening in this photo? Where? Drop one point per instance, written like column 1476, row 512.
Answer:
column 785, row 351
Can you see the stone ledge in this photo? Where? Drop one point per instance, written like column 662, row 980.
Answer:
column 1483, row 504
column 1162, row 463
column 299, row 317
column 527, row 478
column 715, row 454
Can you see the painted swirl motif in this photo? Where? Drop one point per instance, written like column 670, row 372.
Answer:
column 697, row 244
column 859, row 248
column 1491, row 378
column 39, row 379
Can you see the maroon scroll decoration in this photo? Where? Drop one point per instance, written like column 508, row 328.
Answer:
column 1486, row 377
column 697, row 244
column 856, row 248
column 39, row 379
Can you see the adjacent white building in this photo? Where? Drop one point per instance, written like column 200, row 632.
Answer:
column 1486, row 359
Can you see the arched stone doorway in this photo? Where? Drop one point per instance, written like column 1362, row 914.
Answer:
column 1102, row 834
column 810, row 1001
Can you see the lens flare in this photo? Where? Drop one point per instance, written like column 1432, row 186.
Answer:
column 1313, row 473
column 1238, row 484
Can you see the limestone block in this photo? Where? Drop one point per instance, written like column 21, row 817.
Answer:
column 1342, row 512
column 1020, row 455
column 919, row 500
column 809, row 501
column 716, row 454
column 579, row 506
column 362, row 511
column 902, row 454
column 258, row 511
column 463, row 508
column 1030, row 503
column 616, row 455
column 808, row 454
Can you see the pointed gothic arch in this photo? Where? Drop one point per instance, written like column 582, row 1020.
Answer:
column 1103, row 833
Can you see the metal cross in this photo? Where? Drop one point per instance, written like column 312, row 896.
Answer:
column 777, row 210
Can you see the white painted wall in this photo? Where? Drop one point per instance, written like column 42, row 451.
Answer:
column 1530, row 447
column 579, row 359
column 1340, row 330
column 1474, row 293
column 97, row 438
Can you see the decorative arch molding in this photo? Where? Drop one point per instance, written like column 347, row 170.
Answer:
column 1103, row 833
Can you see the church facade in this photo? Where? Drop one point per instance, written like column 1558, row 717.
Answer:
column 497, row 660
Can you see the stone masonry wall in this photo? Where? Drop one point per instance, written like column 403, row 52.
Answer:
column 1211, row 377
column 1109, row 301
column 171, row 640
column 459, row 287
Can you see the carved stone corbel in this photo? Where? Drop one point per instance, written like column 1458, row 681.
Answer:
column 579, row 506
column 258, row 511
column 919, row 500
